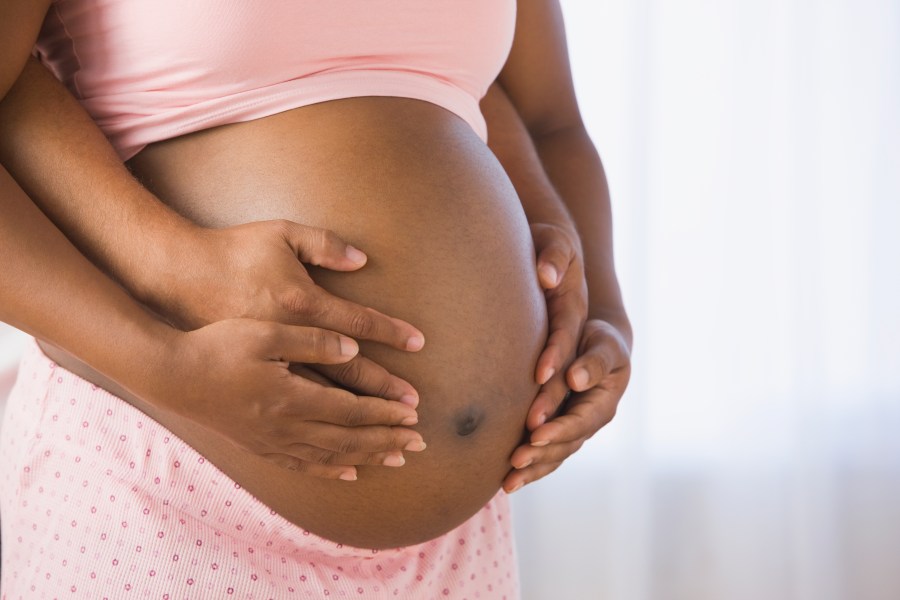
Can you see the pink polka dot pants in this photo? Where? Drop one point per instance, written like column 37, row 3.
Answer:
column 100, row 501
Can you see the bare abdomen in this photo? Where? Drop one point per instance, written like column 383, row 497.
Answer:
column 449, row 251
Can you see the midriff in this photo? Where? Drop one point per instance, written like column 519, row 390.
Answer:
column 449, row 251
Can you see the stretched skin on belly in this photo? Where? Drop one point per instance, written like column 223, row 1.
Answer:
column 449, row 251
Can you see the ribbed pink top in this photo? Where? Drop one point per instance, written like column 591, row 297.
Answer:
column 150, row 70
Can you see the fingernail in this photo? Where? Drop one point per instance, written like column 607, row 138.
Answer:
column 548, row 374
column 527, row 463
column 550, row 274
column 394, row 460
column 348, row 475
column 540, row 443
column 516, row 488
column 542, row 418
column 349, row 347
column 356, row 256
column 410, row 400
column 409, row 421
column 415, row 446
column 415, row 343
column 580, row 378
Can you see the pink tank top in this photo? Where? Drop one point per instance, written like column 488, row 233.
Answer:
column 150, row 70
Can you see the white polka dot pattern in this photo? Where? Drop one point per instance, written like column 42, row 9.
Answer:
column 100, row 501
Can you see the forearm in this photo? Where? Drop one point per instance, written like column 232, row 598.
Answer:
column 510, row 142
column 68, row 168
column 560, row 180
column 573, row 165
column 49, row 290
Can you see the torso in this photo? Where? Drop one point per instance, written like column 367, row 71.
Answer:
column 449, row 251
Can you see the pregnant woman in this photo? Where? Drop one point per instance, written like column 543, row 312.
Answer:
column 203, row 464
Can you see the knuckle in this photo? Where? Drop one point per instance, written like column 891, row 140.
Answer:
column 320, row 341
column 324, row 457
column 354, row 415
column 384, row 388
column 282, row 226
column 362, row 324
column 318, row 238
column 267, row 333
column 600, row 366
column 398, row 438
column 560, row 250
column 375, row 459
column 348, row 445
column 297, row 302
column 280, row 408
column 566, row 338
column 349, row 373
column 330, row 239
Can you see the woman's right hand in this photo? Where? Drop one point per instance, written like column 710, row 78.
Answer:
column 249, row 396
column 256, row 270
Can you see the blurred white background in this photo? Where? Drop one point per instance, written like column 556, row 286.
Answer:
column 753, row 151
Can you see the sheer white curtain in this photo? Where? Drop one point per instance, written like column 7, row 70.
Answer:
column 753, row 151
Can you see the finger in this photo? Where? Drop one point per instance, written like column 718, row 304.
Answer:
column 330, row 312
column 555, row 252
column 360, row 440
column 566, row 313
column 517, row 479
column 295, row 343
column 585, row 414
column 549, row 362
column 322, row 247
column 526, row 455
column 547, row 403
column 292, row 463
column 368, row 378
column 307, row 373
column 562, row 343
column 602, row 355
column 311, row 454
column 310, row 401
column 553, row 261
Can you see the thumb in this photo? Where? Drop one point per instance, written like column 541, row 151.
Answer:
column 321, row 247
column 554, row 254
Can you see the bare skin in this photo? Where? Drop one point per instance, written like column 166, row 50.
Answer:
column 601, row 348
column 593, row 360
column 449, row 249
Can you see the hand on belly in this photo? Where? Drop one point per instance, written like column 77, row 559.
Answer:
column 449, row 251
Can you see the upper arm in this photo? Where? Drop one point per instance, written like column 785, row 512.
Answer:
column 20, row 23
column 537, row 77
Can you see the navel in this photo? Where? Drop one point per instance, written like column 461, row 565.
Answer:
column 468, row 420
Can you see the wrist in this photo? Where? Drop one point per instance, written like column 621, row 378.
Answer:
column 151, row 342
column 162, row 267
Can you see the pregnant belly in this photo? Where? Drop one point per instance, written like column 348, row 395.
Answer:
column 449, row 251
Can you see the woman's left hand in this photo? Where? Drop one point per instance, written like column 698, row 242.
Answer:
column 597, row 378
column 597, row 355
column 560, row 269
